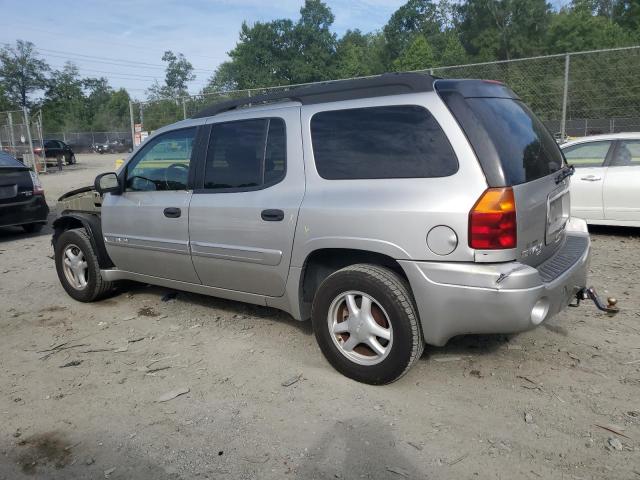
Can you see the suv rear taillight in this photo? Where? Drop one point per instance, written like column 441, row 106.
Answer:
column 492, row 220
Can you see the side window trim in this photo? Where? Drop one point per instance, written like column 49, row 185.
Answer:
column 152, row 142
column 202, row 163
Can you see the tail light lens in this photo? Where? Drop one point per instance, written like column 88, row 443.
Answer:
column 37, row 186
column 492, row 220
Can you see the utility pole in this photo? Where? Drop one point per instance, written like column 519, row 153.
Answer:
column 26, row 123
column 565, row 95
column 133, row 133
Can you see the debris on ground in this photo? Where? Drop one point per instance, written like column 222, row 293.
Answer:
column 290, row 381
column 107, row 473
column 613, row 429
column 459, row 459
column 173, row 394
column 476, row 373
column 417, row 446
column 398, row 471
column 528, row 418
column 72, row 363
column 614, row 443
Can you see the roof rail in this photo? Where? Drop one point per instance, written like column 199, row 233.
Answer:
column 333, row 91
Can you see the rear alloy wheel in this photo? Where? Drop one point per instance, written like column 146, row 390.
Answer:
column 366, row 324
column 78, row 268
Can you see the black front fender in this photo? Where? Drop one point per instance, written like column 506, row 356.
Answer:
column 91, row 223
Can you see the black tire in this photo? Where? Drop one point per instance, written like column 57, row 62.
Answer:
column 72, row 160
column 33, row 227
column 96, row 288
column 392, row 293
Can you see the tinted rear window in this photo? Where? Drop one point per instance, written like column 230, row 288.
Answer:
column 380, row 142
column 526, row 149
column 7, row 160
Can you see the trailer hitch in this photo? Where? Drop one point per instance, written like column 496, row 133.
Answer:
column 587, row 293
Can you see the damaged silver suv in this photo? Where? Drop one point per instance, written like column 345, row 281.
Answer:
column 392, row 211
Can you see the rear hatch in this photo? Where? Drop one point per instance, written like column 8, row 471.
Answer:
column 15, row 181
column 515, row 150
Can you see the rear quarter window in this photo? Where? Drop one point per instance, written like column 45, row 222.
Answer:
column 526, row 149
column 380, row 142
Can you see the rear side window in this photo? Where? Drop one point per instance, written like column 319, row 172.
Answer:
column 526, row 149
column 592, row 154
column 627, row 154
column 246, row 154
column 380, row 142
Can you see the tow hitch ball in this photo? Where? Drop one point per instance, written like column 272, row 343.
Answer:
column 590, row 293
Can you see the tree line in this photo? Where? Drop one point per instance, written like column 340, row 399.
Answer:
column 420, row 34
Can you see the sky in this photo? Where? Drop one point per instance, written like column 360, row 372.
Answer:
column 124, row 40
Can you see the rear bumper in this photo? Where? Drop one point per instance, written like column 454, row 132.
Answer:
column 461, row 298
column 33, row 210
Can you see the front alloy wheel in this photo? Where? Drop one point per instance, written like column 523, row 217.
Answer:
column 75, row 267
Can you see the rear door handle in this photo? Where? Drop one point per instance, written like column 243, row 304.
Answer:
column 172, row 212
column 591, row 178
column 272, row 215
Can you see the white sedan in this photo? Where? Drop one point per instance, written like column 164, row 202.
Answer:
column 605, row 189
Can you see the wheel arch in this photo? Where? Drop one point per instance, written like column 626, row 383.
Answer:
column 322, row 262
column 91, row 223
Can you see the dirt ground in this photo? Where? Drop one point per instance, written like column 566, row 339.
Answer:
column 80, row 385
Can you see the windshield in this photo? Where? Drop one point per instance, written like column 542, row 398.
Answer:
column 526, row 149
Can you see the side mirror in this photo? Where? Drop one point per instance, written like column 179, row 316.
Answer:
column 107, row 183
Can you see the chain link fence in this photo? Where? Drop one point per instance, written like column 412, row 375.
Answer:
column 86, row 142
column 21, row 136
column 575, row 94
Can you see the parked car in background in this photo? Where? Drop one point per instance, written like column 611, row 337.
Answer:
column 112, row 146
column 605, row 189
column 392, row 211
column 55, row 151
column 22, row 199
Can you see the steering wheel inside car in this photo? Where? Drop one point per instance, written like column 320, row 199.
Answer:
column 176, row 176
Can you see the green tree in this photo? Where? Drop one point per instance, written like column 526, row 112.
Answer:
column 64, row 105
column 418, row 56
column 453, row 52
column 577, row 30
column 22, row 72
column 314, row 42
column 503, row 29
column 416, row 17
column 359, row 54
column 626, row 13
column 178, row 74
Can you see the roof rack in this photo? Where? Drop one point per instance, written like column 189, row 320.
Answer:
column 333, row 91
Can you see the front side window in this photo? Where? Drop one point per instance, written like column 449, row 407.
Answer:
column 627, row 153
column 246, row 154
column 592, row 154
column 381, row 142
column 163, row 164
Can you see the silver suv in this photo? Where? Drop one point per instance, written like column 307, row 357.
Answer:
column 392, row 211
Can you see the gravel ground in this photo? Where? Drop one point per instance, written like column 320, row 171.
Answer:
column 80, row 385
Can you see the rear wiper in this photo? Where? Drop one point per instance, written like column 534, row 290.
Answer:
column 566, row 172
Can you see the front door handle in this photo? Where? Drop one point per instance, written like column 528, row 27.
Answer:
column 172, row 212
column 591, row 178
column 272, row 215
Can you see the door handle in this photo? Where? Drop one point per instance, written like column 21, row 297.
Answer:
column 272, row 215
column 591, row 178
column 172, row 212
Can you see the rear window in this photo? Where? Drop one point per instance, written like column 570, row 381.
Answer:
column 380, row 142
column 526, row 149
column 7, row 160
